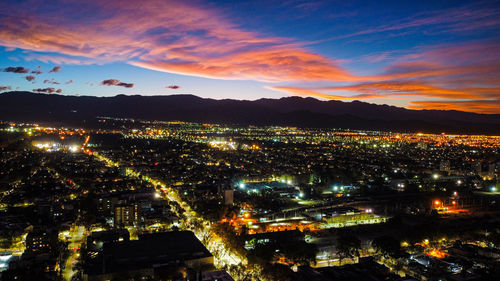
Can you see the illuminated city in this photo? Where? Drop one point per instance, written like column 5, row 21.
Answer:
column 247, row 190
column 212, row 140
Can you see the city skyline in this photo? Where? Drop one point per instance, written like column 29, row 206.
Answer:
column 415, row 55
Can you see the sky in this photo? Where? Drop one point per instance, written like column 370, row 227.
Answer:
column 415, row 54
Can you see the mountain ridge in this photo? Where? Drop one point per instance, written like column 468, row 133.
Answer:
column 286, row 111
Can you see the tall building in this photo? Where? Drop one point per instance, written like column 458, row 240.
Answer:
column 40, row 241
column 444, row 166
column 494, row 169
column 126, row 214
column 228, row 197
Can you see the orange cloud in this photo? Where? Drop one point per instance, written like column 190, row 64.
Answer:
column 310, row 93
column 203, row 43
column 483, row 106
column 273, row 64
column 402, row 88
column 392, row 89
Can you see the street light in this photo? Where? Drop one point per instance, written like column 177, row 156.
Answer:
column 437, row 203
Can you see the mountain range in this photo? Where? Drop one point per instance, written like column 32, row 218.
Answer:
column 288, row 111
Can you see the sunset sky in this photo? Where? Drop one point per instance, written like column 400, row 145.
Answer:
column 416, row 54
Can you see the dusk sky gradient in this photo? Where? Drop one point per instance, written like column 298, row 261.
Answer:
column 416, row 54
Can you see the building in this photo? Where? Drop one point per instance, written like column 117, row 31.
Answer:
column 40, row 241
column 149, row 256
column 228, row 197
column 444, row 166
column 96, row 240
column 126, row 214
column 366, row 270
column 272, row 237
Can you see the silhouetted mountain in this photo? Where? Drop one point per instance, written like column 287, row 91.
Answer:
column 291, row 111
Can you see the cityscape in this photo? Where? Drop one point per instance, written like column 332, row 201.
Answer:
column 256, row 203
column 297, row 140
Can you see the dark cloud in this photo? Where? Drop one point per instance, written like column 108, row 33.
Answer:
column 16, row 69
column 30, row 77
column 126, row 85
column 37, row 71
column 55, row 69
column 173, row 87
column 116, row 82
column 47, row 90
column 3, row 88
column 68, row 82
column 51, row 81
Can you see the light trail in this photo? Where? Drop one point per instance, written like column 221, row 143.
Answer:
column 188, row 216
column 77, row 238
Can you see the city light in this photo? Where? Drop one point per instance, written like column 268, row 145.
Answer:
column 274, row 191
column 74, row 148
column 437, row 253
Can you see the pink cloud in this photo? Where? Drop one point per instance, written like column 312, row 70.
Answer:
column 461, row 19
column 55, row 69
column 204, row 43
column 47, row 90
column 51, row 81
column 116, row 82
column 29, row 77
column 16, row 69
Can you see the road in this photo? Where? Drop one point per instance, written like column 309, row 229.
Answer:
column 76, row 239
column 228, row 257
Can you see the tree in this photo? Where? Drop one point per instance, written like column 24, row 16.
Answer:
column 278, row 272
column 386, row 245
column 301, row 253
column 348, row 246
column 261, row 254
